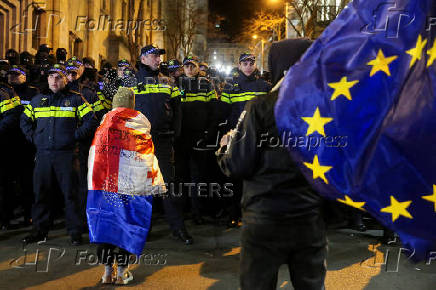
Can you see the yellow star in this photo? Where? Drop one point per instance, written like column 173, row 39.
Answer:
column 432, row 54
column 342, row 88
column 316, row 123
column 352, row 203
column 398, row 208
column 318, row 170
column 381, row 63
column 416, row 52
column 432, row 198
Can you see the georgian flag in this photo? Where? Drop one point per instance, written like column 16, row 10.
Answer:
column 123, row 174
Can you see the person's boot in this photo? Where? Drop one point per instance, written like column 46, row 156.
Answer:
column 76, row 240
column 35, row 237
column 183, row 235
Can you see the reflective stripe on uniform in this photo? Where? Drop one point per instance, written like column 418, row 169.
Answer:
column 16, row 101
column 84, row 109
column 28, row 111
column 242, row 97
column 175, row 93
column 195, row 97
column 153, row 89
column 225, row 98
column 106, row 103
column 212, row 95
column 6, row 105
column 47, row 112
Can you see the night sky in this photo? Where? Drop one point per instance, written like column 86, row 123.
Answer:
column 236, row 11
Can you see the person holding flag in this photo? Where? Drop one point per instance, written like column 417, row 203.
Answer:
column 123, row 175
column 375, row 84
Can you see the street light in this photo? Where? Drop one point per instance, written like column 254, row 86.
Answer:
column 289, row 33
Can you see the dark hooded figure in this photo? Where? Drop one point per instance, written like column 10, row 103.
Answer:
column 281, row 214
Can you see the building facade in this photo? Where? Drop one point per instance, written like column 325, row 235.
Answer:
column 101, row 29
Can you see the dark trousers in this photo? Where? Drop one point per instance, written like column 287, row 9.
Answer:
column 265, row 247
column 25, row 179
column 107, row 255
column 83, row 180
column 52, row 167
column 172, row 202
column 6, row 194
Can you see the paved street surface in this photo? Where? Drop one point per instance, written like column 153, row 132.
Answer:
column 355, row 261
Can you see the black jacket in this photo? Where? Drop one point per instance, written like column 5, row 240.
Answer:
column 274, row 189
column 199, row 104
column 56, row 121
column 9, row 111
column 159, row 102
column 241, row 90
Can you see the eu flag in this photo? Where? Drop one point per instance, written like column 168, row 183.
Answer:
column 361, row 103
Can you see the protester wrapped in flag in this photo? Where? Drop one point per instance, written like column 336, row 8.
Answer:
column 123, row 175
column 371, row 83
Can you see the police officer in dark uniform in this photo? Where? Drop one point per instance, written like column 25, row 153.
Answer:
column 9, row 115
column 74, row 70
column 282, row 221
column 198, row 132
column 25, row 151
column 126, row 74
column 160, row 104
column 244, row 86
column 174, row 71
column 54, row 122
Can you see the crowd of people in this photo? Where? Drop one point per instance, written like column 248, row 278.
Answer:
column 51, row 106
column 188, row 104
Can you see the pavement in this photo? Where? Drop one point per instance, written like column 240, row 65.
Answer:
column 355, row 261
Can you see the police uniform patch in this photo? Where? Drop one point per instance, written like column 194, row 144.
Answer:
column 43, row 102
column 67, row 103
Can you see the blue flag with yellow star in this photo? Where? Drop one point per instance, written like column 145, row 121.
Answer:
column 358, row 112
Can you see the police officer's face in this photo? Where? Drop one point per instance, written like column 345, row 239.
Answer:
column 56, row 82
column 247, row 67
column 152, row 60
column 191, row 70
column 72, row 76
column 16, row 79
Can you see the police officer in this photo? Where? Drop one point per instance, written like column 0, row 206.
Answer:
column 126, row 74
column 54, row 122
column 8, row 118
column 25, row 151
column 159, row 103
column 74, row 70
column 244, row 86
column 175, row 71
column 195, row 155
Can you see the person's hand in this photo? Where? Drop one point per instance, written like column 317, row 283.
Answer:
column 225, row 140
